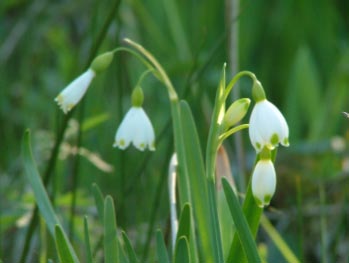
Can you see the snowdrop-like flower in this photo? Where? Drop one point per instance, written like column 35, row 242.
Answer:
column 268, row 126
column 263, row 182
column 136, row 128
column 73, row 93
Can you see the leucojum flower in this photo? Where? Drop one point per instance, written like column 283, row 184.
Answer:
column 268, row 128
column 136, row 126
column 73, row 93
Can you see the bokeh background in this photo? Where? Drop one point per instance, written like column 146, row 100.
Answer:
column 299, row 50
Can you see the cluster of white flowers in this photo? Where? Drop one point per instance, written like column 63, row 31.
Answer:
column 268, row 128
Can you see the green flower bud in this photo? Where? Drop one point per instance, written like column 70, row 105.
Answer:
column 137, row 97
column 258, row 93
column 102, row 62
column 236, row 112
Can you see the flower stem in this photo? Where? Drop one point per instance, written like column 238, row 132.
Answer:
column 165, row 79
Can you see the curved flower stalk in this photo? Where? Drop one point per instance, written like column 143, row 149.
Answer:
column 136, row 126
column 73, row 93
column 268, row 126
column 263, row 182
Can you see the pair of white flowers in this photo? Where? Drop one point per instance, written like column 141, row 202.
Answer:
column 135, row 127
column 267, row 129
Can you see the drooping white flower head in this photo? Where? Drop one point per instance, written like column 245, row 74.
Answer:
column 73, row 93
column 136, row 128
column 268, row 126
column 263, row 182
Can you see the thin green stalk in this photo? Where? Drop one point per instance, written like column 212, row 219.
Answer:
column 323, row 223
column 278, row 241
column 300, row 220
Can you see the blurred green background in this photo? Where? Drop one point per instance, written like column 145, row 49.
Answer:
column 299, row 50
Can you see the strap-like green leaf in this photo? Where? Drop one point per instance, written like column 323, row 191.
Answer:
column 40, row 194
column 97, row 194
column 184, row 223
column 203, row 206
column 130, row 251
column 111, row 251
column 161, row 248
column 242, row 228
column 87, row 242
column 64, row 252
column 182, row 251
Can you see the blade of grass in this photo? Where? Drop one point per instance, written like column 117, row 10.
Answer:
column 130, row 251
column 278, row 241
column 184, row 223
column 97, row 194
column 111, row 253
column 87, row 242
column 41, row 197
column 182, row 251
column 161, row 248
column 242, row 227
column 62, row 244
column 209, row 233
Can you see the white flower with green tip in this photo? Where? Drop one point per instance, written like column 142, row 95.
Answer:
column 263, row 182
column 136, row 126
column 268, row 126
column 74, row 92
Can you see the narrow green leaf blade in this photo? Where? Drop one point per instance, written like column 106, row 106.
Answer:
column 130, row 251
column 161, row 248
column 208, row 227
column 87, row 242
column 41, row 196
column 279, row 241
column 184, row 223
column 253, row 214
column 35, row 181
column 111, row 253
column 182, row 251
column 97, row 194
column 64, row 253
column 242, row 228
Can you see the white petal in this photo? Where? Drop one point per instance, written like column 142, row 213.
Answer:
column 268, row 127
column 263, row 182
column 73, row 93
column 136, row 128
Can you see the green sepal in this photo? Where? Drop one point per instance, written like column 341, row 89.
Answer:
column 137, row 97
column 102, row 62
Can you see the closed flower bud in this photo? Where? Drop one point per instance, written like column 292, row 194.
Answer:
column 236, row 112
column 263, row 182
column 102, row 62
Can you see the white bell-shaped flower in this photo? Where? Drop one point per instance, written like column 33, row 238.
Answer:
column 74, row 92
column 268, row 126
column 263, row 182
column 136, row 128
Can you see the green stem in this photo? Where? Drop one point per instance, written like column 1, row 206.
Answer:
column 171, row 91
column 232, row 131
column 235, row 79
